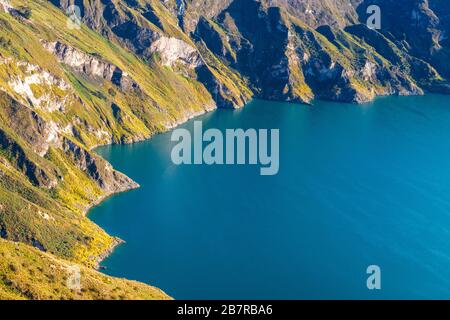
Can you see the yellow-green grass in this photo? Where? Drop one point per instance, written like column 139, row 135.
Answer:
column 27, row 273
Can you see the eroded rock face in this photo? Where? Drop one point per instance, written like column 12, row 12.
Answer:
column 152, row 34
column 37, row 87
column 336, row 13
column 189, row 12
column 90, row 66
column 40, row 135
column 257, row 38
column 31, row 127
column 24, row 162
column 286, row 58
column 214, row 52
column 5, row 6
column 420, row 27
column 254, row 42
column 174, row 51
column 98, row 169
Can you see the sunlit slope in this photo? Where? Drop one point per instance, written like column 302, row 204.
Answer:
column 63, row 91
column 28, row 273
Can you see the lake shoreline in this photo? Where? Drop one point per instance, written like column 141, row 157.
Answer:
column 116, row 240
column 175, row 124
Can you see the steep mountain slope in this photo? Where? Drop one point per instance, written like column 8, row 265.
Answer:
column 312, row 12
column 251, row 37
column 134, row 68
column 63, row 91
column 334, row 13
column 21, row 265
column 149, row 29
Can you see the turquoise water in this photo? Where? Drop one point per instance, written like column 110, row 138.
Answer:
column 358, row 186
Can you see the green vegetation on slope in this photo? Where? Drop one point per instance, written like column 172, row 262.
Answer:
column 52, row 114
column 137, row 68
column 27, row 273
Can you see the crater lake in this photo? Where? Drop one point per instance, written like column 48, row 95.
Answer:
column 358, row 185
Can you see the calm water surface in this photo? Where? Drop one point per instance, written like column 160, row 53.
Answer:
column 358, row 185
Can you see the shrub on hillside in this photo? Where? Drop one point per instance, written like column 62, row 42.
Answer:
column 24, row 12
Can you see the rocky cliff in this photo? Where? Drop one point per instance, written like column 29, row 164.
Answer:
column 120, row 71
column 286, row 50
